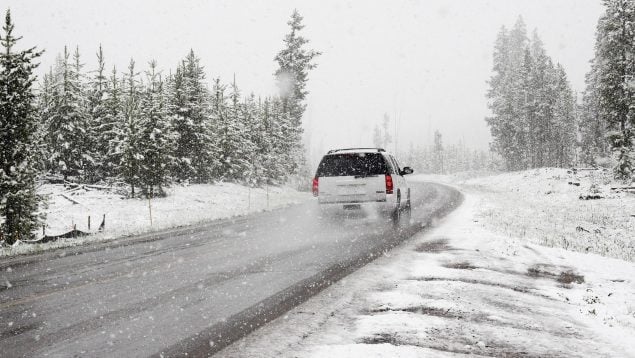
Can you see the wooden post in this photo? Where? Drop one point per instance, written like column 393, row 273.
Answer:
column 103, row 224
column 43, row 229
column 150, row 210
column 88, row 222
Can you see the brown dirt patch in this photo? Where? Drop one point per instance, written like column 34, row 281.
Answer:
column 463, row 265
column 563, row 275
column 434, row 246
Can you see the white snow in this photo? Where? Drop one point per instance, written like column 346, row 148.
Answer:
column 542, row 207
column 474, row 285
column 184, row 205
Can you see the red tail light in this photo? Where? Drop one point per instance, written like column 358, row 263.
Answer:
column 315, row 186
column 389, row 185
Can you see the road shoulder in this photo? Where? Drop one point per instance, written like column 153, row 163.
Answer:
column 463, row 289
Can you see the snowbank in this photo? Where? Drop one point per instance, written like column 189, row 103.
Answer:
column 184, row 205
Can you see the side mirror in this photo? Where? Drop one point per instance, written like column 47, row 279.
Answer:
column 406, row 170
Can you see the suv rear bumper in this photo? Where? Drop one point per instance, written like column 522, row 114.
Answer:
column 386, row 204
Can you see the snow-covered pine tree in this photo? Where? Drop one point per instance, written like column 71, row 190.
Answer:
column 542, row 89
column 528, row 127
column 220, row 127
column 280, row 160
column 97, row 109
column 130, row 142
column 516, row 97
column 233, row 140
column 87, row 169
column 156, row 137
column 499, row 122
column 68, row 119
column 18, row 199
column 533, row 112
column 44, row 107
column 254, row 141
column 294, row 63
column 564, row 131
column 615, row 60
column 438, row 153
column 111, row 130
column 592, row 128
column 191, row 119
column 273, row 161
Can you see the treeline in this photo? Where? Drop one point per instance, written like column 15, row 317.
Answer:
column 146, row 128
column 149, row 129
column 607, row 120
column 536, row 120
column 440, row 158
column 533, row 122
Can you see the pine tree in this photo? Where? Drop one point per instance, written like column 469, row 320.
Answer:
column 111, row 130
column 615, row 60
column 533, row 107
column 44, row 108
column 234, row 145
column 254, row 142
column 18, row 199
column 156, row 137
column 273, row 155
column 294, row 63
column 130, row 142
column 499, row 122
column 97, row 94
column 68, row 120
column 563, row 141
column 542, row 87
column 191, row 120
column 438, row 153
column 517, row 96
column 593, row 144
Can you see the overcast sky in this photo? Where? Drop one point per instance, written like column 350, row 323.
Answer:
column 426, row 62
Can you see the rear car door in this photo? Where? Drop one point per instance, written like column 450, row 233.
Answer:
column 352, row 178
column 399, row 179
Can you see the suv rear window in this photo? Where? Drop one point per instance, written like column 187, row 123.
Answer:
column 352, row 164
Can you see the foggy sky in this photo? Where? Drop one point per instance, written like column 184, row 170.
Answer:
column 425, row 62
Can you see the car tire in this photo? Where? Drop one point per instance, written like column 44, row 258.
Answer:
column 396, row 214
column 406, row 215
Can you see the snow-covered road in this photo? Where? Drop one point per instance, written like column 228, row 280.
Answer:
column 463, row 290
column 192, row 289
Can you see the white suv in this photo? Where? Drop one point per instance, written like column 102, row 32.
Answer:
column 363, row 177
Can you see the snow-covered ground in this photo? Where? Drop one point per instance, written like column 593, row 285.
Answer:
column 544, row 206
column 184, row 205
column 481, row 283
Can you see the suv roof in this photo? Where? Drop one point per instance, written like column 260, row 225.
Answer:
column 356, row 150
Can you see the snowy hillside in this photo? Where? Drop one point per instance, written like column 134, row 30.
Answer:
column 184, row 205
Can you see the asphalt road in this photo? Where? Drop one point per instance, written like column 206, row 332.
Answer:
column 192, row 290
